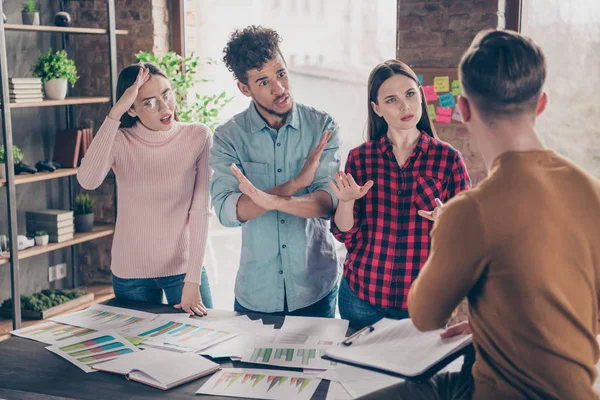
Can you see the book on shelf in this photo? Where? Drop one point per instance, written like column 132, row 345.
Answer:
column 26, row 96
column 32, row 228
column 50, row 226
column 25, row 92
column 29, row 100
column 61, row 238
column 50, row 215
column 27, row 81
column 86, row 140
column 25, row 86
column 67, row 147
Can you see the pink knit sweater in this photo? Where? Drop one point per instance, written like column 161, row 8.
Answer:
column 163, row 198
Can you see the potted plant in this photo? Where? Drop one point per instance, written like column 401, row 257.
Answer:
column 84, row 213
column 17, row 156
column 56, row 71
column 41, row 238
column 30, row 14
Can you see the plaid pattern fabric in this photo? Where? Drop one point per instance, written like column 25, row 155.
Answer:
column 389, row 243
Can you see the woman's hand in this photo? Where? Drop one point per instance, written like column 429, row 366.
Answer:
column 191, row 302
column 347, row 189
column 126, row 101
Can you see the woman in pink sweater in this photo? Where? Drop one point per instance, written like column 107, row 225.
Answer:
column 162, row 173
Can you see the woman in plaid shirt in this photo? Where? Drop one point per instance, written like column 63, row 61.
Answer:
column 387, row 194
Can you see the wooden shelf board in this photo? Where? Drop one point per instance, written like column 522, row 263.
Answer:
column 41, row 176
column 100, row 230
column 102, row 293
column 60, row 29
column 65, row 102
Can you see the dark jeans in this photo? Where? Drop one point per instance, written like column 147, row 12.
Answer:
column 361, row 313
column 442, row 386
column 323, row 308
column 151, row 290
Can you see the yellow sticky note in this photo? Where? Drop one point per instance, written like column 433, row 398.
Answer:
column 456, row 91
column 431, row 111
column 441, row 84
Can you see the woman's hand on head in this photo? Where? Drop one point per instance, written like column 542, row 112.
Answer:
column 128, row 98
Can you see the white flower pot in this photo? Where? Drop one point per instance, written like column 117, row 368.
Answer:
column 41, row 240
column 56, row 89
column 2, row 171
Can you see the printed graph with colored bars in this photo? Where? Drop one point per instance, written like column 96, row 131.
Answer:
column 52, row 332
column 99, row 348
column 102, row 317
column 298, row 357
column 261, row 384
column 185, row 334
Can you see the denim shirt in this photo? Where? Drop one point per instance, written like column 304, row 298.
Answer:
column 281, row 253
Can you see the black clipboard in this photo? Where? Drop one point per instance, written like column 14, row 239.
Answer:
column 423, row 377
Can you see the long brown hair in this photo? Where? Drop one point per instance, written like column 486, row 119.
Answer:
column 127, row 78
column 377, row 127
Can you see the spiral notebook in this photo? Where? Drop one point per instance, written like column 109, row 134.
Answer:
column 160, row 369
column 399, row 348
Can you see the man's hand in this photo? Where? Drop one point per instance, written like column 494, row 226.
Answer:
column 462, row 328
column 262, row 199
column 191, row 302
column 307, row 174
column 432, row 215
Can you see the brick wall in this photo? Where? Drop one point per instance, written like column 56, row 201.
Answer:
column 436, row 34
column 148, row 24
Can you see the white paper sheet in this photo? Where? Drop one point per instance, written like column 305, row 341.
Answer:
column 52, row 332
column 291, row 356
column 311, row 330
column 337, row 392
column 360, row 382
column 93, row 349
column 261, row 384
column 102, row 317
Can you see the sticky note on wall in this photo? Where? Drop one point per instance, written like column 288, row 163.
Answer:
column 420, row 77
column 456, row 90
column 430, row 94
column 443, row 119
column 446, row 111
column 441, row 84
column 447, row 100
column 431, row 111
column 456, row 114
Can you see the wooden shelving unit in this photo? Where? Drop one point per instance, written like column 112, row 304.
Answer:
column 61, row 29
column 12, row 181
column 100, row 230
column 66, row 102
column 41, row 176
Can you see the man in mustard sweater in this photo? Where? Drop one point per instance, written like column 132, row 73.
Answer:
column 523, row 246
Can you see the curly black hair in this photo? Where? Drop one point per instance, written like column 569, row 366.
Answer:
column 250, row 48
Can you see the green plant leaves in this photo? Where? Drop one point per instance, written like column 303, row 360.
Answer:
column 55, row 65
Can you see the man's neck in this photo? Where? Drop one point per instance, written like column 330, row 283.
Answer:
column 507, row 137
column 274, row 121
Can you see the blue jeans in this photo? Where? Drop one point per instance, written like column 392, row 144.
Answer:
column 151, row 290
column 323, row 308
column 361, row 313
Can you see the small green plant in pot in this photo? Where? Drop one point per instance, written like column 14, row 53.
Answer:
column 41, row 238
column 56, row 71
column 84, row 213
column 30, row 14
column 17, row 157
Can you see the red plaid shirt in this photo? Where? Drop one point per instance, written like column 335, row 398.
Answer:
column 389, row 243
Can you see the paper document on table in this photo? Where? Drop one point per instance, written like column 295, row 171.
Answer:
column 360, row 382
column 311, row 330
column 399, row 347
column 102, row 317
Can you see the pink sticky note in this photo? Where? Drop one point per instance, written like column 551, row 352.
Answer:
column 444, row 119
column 430, row 94
column 443, row 111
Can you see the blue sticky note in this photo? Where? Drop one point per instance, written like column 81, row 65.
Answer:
column 420, row 77
column 447, row 100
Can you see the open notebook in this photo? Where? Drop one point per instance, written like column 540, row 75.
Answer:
column 161, row 369
column 400, row 348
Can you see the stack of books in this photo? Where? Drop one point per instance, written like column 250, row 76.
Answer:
column 71, row 145
column 58, row 223
column 24, row 90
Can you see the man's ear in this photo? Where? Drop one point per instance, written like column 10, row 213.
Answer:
column 542, row 103
column 464, row 106
column 244, row 89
